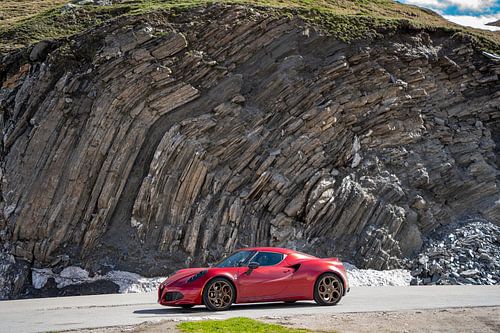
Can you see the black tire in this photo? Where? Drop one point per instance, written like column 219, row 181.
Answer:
column 187, row 306
column 328, row 289
column 219, row 294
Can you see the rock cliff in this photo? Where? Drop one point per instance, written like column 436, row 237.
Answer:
column 158, row 141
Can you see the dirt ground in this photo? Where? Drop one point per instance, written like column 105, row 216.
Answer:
column 481, row 319
column 484, row 319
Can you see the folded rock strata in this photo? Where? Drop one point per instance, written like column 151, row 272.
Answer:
column 158, row 141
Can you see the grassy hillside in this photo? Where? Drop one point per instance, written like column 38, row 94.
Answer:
column 23, row 22
column 12, row 11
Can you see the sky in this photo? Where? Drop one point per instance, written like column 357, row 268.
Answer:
column 472, row 13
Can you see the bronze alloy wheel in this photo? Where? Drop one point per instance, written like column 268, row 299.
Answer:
column 328, row 289
column 218, row 294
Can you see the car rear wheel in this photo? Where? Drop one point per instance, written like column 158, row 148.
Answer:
column 219, row 294
column 328, row 289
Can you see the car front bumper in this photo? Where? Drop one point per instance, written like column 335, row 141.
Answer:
column 175, row 296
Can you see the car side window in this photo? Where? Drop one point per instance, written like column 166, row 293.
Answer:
column 235, row 259
column 268, row 258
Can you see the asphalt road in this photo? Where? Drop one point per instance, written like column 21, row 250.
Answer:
column 65, row 313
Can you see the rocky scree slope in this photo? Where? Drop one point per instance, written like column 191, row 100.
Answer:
column 467, row 253
column 154, row 142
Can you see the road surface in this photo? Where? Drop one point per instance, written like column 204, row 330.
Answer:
column 65, row 313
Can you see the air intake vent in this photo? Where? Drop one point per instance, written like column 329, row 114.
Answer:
column 173, row 296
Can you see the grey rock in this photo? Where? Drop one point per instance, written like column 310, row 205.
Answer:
column 69, row 8
column 13, row 276
column 474, row 243
column 39, row 51
column 95, row 2
column 436, row 277
column 423, row 259
column 469, row 273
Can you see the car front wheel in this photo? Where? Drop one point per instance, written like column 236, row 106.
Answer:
column 219, row 294
column 328, row 289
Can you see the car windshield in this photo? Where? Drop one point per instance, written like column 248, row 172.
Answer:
column 236, row 259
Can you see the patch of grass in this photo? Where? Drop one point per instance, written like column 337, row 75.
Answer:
column 12, row 11
column 29, row 21
column 235, row 325
column 55, row 23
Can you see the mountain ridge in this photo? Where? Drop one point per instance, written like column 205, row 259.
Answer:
column 343, row 18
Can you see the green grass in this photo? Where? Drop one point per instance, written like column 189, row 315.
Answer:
column 235, row 325
column 347, row 20
column 12, row 11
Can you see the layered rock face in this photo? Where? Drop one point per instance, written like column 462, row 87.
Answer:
column 159, row 141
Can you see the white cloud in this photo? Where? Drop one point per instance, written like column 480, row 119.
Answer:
column 475, row 21
column 474, row 5
column 428, row 3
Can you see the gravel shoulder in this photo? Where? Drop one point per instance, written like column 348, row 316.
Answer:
column 478, row 319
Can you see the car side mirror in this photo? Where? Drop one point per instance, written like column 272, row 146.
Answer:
column 253, row 265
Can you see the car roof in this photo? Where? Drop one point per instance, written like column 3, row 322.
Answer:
column 268, row 249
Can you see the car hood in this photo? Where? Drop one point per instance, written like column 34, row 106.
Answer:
column 189, row 271
column 182, row 273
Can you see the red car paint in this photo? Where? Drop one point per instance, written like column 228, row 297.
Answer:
column 292, row 279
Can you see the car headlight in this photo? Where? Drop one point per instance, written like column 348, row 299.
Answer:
column 197, row 276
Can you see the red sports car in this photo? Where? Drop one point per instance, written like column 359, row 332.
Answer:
column 260, row 274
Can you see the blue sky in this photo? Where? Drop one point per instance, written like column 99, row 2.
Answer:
column 475, row 13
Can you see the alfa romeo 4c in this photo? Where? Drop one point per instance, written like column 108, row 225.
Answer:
column 260, row 274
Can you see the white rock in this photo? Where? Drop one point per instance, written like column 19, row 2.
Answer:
column 39, row 277
column 356, row 147
column 128, row 282
column 132, row 282
column 370, row 277
column 74, row 272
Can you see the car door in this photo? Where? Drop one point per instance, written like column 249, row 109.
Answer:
column 267, row 282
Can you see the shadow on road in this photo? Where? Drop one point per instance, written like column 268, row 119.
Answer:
column 200, row 309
